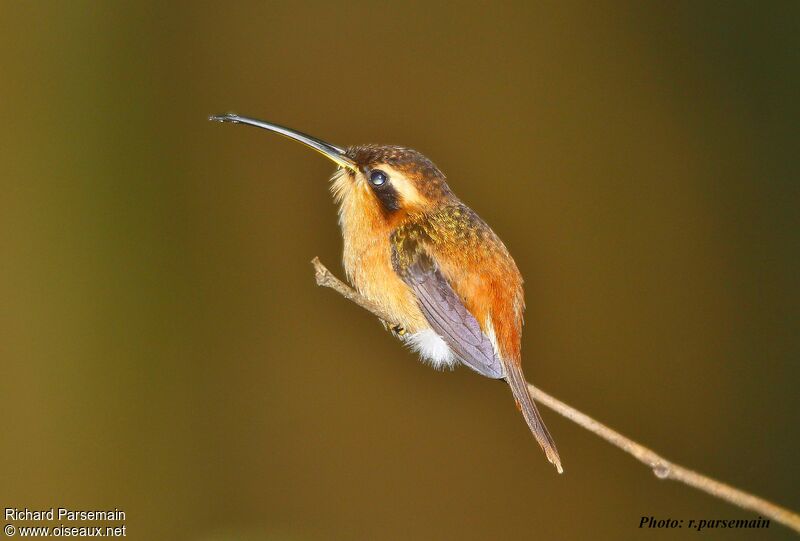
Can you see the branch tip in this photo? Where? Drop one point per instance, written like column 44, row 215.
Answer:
column 662, row 468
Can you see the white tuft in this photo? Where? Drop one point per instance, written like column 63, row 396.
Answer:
column 491, row 334
column 432, row 348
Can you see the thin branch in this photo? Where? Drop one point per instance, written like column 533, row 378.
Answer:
column 662, row 468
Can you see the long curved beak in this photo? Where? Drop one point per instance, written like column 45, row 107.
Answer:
column 328, row 150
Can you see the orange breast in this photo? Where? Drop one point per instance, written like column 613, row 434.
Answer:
column 367, row 257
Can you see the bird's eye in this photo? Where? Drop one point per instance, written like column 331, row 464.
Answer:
column 378, row 177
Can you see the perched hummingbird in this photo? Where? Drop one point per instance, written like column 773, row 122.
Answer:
column 412, row 247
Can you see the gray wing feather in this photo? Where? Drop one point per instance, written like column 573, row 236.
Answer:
column 451, row 320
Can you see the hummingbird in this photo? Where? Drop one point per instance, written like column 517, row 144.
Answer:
column 413, row 248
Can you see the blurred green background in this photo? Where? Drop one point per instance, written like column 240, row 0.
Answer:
column 164, row 348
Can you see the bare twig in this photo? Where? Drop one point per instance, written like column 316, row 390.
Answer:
column 662, row 468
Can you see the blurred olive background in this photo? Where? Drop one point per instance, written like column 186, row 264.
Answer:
column 164, row 348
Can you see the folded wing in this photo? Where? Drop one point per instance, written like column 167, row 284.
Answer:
column 449, row 318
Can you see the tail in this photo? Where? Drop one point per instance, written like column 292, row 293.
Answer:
column 519, row 387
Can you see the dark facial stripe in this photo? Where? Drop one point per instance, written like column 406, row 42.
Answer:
column 387, row 195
